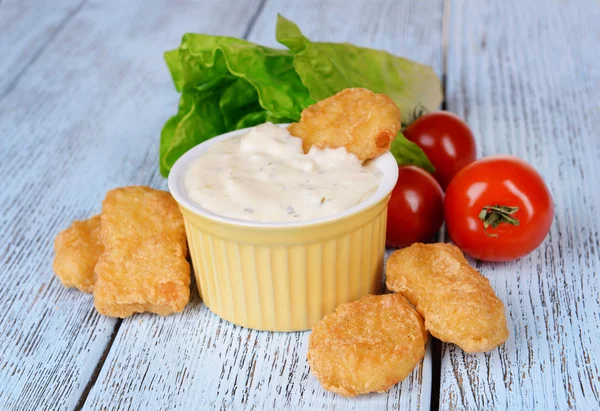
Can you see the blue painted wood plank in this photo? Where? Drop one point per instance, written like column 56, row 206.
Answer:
column 84, row 118
column 196, row 360
column 525, row 76
column 26, row 29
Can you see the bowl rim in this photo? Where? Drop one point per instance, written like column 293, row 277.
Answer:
column 386, row 163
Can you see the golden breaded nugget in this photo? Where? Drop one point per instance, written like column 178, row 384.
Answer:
column 77, row 251
column 367, row 345
column 458, row 304
column 356, row 118
column 153, row 277
column 136, row 213
column 144, row 266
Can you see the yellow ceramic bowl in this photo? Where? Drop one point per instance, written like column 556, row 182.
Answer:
column 285, row 276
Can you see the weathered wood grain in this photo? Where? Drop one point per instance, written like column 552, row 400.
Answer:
column 411, row 29
column 196, row 360
column 25, row 30
column 526, row 77
column 83, row 117
column 83, row 94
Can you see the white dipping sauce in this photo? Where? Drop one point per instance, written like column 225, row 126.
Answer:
column 265, row 176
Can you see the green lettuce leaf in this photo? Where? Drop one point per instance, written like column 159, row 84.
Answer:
column 327, row 68
column 198, row 119
column 227, row 84
column 408, row 153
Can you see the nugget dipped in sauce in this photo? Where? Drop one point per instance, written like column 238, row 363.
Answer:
column 363, row 122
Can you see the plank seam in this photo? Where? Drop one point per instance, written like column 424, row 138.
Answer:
column 94, row 377
column 43, row 47
column 436, row 348
column 254, row 18
column 445, row 40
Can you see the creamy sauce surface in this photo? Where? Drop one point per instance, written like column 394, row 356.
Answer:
column 264, row 176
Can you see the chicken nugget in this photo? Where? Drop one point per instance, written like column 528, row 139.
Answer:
column 457, row 302
column 77, row 251
column 153, row 276
column 136, row 213
column 367, row 345
column 363, row 122
column 144, row 266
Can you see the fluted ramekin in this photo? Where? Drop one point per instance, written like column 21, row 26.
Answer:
column 284, row 276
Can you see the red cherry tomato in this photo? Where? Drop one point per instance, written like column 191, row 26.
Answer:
column 498, row 209
column 416, row 208
column 446, row 140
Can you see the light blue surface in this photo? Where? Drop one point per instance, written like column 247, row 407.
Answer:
column 84, row 93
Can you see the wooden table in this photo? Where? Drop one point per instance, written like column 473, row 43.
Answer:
column 84, row 93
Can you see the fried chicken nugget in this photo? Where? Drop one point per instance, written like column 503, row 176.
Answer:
column 144, row 266
column 457, row 302
column 367, row 345
column 77, row 251
column 356, row 118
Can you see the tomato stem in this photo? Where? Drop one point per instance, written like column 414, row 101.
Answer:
column 497, row 214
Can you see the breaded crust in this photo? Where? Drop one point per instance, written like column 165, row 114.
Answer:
column 363, row 122
column 367, row 345
column 457, row 302
column 135, row 213
column 144, row 266
column 152, row 277
column 77, row 250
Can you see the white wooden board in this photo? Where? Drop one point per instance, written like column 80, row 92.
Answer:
column 198, row 361
column 26, row 28
column 83, row 118
column 525, row 76
column 83, row 95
